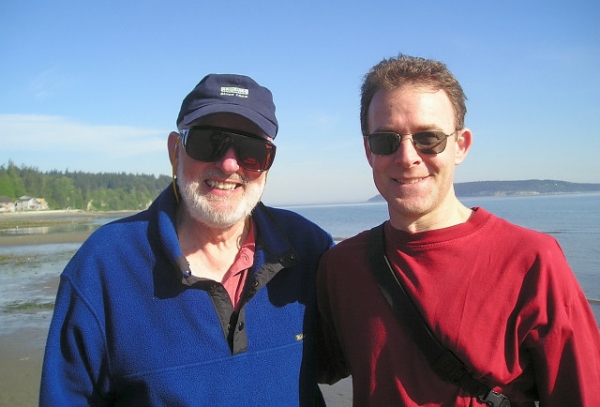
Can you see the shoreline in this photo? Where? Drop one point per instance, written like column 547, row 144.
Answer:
column 21, row 351
column 11, row 221
column 48, row 238
column 64, row 214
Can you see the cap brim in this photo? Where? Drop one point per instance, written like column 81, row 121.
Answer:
column 266, row 125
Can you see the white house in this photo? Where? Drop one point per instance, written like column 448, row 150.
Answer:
column 27, row 203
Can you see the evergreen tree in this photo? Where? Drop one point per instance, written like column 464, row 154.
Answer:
column 80, row 190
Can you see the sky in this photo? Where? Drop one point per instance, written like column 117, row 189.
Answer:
column 97, row 86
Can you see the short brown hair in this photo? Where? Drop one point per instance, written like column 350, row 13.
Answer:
column 396, row 73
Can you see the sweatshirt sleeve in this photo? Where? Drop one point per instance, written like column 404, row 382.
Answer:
column 565, row 342
column 75, row 368
column 331, row 361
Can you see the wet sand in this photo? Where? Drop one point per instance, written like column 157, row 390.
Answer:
column 21, row 355
column 338, row 395
column 22, row 352
column 43, row 218
column 72, row 237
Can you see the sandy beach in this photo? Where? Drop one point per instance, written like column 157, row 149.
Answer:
column 21, row 355
column 22, row 350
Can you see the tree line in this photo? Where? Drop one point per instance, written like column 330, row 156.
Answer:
column 81, row 190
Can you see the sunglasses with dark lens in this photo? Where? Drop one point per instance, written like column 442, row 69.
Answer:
column 426, row 142
column 209, row 144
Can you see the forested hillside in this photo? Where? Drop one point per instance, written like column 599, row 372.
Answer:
column 81, row 190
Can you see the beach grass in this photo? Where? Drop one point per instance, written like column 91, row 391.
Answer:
column 24, row 306
column 16, row 260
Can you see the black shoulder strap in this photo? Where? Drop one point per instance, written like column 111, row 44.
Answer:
column 443, row 361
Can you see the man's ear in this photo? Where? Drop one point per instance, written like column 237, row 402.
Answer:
column 463, row 145
column 173, row 144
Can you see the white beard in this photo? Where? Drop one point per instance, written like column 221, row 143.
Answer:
column 215, row 211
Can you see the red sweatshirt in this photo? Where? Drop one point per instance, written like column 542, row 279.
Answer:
column 501, row 297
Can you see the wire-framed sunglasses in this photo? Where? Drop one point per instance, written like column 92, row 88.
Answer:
column 209, row 144
column 426, row 142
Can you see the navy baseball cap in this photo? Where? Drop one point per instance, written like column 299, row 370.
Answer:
column 228, row 93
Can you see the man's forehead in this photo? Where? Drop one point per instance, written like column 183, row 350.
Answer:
column 418, row 106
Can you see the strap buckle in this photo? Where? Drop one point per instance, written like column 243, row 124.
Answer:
column 495, row 399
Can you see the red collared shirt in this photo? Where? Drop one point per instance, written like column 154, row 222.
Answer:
column 234, row 279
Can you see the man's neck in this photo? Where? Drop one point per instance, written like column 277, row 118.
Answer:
column 454, row 214
column 210, row 251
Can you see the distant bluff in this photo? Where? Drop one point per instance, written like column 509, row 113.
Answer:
column 512, row 188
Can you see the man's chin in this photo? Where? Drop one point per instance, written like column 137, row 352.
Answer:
column 219, row 211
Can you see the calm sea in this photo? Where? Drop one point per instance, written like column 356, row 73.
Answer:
column 573, row 219
column 29, row 274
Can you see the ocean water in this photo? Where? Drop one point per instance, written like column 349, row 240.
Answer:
column 29, row 274
column 573, row 219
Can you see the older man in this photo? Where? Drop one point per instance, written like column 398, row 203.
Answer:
column 206, row 298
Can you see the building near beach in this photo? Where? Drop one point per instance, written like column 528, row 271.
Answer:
column 27, row 203
column 7, row 204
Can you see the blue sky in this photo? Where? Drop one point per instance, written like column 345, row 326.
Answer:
column 96, row 86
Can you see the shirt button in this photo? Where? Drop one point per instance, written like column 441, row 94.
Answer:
column 240, row 326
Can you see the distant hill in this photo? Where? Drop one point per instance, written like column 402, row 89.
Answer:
column 511, row 188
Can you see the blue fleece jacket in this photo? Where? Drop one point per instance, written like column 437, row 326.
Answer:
column 132, row 327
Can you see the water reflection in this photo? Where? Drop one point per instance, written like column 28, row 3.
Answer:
column 28, row 281
column 29, row 274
